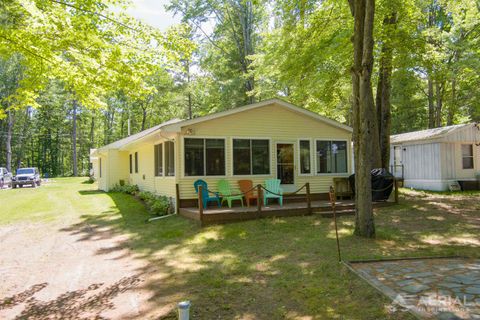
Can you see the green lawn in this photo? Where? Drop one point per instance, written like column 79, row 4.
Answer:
column 263, row 269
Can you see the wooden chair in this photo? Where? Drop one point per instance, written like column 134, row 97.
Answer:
column 246, row 185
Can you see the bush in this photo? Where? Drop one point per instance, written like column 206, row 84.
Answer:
column 127, row 188
column 159, row 205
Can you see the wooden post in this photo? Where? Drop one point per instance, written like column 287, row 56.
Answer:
column 333, row 199
column 395, row 181
column 259, row 201
column 309, row 200
column 177, row 199
column 200, row 204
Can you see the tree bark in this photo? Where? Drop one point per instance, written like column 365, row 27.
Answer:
column 453, row 106
column 439, row 103
column 74, row 138
column 431, row 106
column 364, row 122
column 8, row 140
column 384, row 92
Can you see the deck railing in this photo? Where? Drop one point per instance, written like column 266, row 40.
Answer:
column 259, row 188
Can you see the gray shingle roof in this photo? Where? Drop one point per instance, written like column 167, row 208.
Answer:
column 425, row 134
column 123, row 142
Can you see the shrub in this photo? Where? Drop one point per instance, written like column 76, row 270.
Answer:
column 127, row 188
column 159, row 205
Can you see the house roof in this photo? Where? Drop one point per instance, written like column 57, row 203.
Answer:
column 175, row 125
column 426, row 134
column 178, row 125
column 137, row 136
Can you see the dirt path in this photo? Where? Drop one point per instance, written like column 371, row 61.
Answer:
column 49, row 271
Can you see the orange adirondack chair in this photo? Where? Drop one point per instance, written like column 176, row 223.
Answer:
column 246, row 185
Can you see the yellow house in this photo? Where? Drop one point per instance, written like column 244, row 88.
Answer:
column 268, row 139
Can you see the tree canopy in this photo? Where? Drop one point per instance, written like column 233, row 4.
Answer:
column 85, row 71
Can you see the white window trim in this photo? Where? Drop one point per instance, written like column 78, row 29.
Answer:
column 174, row 159
column 473, row 155
column 204, row 158
column 163, row 160
column 336, row 174
column 269, row 158
column 312, row 158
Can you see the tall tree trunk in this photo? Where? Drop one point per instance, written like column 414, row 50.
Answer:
column 8, row 140
column 363, row 113
column 439, row 103
column 384, row 91
column 74, row 138
column 431, row 106
column 453, row 106
column 21, row 148
column 144, row 116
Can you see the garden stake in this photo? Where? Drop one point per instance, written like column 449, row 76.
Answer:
column 332, row 201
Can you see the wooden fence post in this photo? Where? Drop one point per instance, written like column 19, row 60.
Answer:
column 395, row 181
column 200, row 204
column 177, row 199
column 309, row 200
column 259, row 200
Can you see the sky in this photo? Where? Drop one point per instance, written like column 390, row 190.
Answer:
column 153, row 12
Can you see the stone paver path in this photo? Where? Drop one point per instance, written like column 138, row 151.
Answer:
column 430, row 288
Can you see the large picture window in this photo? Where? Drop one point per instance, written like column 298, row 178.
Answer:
column 158, row 150
column 204, row 157
column 467, row 156
column 169, row 159
column 331, row 157
column 305, row 167
column 251, row 156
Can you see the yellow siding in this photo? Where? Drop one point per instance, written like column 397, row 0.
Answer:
column 117, row 167
column 278, row 124
column 145, row 178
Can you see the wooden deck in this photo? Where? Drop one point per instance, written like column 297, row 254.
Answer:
column 215, row 215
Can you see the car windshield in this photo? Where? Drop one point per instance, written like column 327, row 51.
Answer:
column 25, row 171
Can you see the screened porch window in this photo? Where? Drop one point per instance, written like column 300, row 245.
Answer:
column 251, row 156
column 305, row 157
column 331, row 157
column 467, row 156
column 158, row 150
column 169, row 159
column 204, row 157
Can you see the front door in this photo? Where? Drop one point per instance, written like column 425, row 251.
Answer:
column 285, row 163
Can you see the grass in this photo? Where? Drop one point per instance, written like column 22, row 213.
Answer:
column 265, row 269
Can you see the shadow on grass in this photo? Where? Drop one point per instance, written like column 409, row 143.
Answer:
column 269, row 268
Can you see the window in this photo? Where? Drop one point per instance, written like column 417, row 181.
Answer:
column 169, row 159
column 251, row 157
column 100, row 167
column 331, row 157
column 131, row 165
column 158, row 156
column 204, row 157
column 136, row 162
column 305, row 157
column 467, row 156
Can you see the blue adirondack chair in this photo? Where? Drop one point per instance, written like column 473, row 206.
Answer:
column 273, row 185
column 205, row 194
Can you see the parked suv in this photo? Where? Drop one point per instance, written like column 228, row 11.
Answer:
column 26, row 176
column 5, row 177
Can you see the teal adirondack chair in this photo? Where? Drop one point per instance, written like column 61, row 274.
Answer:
column 273, row 185
column 226, row 193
